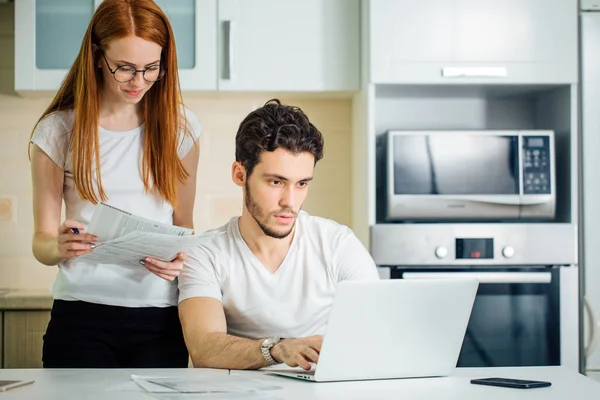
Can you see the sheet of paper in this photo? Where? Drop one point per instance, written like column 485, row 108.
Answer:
column 109, row 223
column 142, row 382
column 217, row 396
column 214, row 384
column 136, row 245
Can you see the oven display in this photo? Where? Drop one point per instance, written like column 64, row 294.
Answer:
column 476, row 248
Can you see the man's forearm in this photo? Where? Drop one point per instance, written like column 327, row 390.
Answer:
column 220, row 350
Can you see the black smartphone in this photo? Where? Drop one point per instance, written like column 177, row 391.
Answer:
column 511, row 383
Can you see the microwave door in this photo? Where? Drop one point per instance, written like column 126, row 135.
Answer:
column 449, row 175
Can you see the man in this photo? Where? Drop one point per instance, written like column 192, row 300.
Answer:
column 260, row 293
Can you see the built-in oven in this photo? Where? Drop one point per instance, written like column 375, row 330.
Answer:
column 516, row 317
column 526, row 312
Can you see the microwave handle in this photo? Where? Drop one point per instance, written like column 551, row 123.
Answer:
column 485, row 277
column 529, row 201
column 507, row 200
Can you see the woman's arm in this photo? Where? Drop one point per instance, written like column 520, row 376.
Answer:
column 183, row 214
column 52, row 242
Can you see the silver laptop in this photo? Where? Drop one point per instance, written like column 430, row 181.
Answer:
column 393, row 329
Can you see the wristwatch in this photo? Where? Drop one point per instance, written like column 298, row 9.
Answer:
column 266, row 347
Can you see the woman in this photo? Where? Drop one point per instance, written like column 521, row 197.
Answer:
column 115, row 132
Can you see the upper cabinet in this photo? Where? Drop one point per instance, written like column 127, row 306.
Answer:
column 195, row 29
column 472, row 41
column 286, row 45
column 48, row 35
column 308, row 45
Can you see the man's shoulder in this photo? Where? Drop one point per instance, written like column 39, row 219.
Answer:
column 323, row 228
column 219, row 240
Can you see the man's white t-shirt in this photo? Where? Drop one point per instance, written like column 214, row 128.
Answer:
column 293, row 302
column 121, row 167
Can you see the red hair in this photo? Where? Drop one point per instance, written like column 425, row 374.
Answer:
column 162, row 111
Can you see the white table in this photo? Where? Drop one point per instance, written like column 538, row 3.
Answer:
column 92, row 384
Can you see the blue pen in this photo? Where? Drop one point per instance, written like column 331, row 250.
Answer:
column 75, row 231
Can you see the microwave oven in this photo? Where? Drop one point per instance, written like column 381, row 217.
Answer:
column 470, row 175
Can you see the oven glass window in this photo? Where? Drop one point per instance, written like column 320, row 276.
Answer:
column 512, row 325
column 455, row 164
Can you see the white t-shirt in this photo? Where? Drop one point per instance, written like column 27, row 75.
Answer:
column 293, row 302
column 121, row 167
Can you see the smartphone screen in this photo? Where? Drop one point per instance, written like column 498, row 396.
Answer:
column 512, row 383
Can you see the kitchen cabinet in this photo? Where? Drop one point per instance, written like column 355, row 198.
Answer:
column 24, row 316
column 230, row 45
column 23, row 337
column 309, row 45
column 195, row 29
column 48, row 36
column 472, row 41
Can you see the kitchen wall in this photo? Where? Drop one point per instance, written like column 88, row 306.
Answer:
column 217, row 198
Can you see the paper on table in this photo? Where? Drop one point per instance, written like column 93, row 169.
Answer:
column 136, row 245
column 222, row 384
column 109, row 223
column 142, row 381
column 214, row 384
column 216, row 396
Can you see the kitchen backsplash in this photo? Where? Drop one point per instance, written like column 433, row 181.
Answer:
column 217, row 198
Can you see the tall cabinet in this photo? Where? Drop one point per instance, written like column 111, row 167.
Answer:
column 468, row 65
column 465, row 64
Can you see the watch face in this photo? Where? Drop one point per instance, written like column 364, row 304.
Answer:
column 270, row 341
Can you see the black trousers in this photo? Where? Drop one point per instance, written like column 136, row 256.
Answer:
column 87, row 335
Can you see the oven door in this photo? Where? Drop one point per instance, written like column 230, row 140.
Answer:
column 516, row 317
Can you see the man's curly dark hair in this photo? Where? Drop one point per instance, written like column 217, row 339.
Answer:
column 272, row 126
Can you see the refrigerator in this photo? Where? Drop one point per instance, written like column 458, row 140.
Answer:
column 590, row 183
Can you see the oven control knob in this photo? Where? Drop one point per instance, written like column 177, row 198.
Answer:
column 508, row 251
column 441, row 252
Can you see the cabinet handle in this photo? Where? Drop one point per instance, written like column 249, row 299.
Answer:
column 228, row 49
column 474, row 72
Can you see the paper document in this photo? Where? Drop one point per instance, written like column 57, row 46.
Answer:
column 210, row 384
column 126, row 239
column 217, row 396
column 109, row 223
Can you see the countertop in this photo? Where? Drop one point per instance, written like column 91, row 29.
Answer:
column 116, row 384
column 24, row 299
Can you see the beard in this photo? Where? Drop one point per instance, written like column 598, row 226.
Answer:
column 261, row 217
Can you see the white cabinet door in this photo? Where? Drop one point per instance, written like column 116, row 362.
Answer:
column 48, row 36
column 195, row 27
column 512, row 41
column 290, row 45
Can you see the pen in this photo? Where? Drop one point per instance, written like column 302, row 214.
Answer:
column 75, row 231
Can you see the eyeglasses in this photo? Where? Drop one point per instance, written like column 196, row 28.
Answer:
column 125, row 73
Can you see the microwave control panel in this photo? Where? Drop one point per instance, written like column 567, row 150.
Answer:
column 536, row 165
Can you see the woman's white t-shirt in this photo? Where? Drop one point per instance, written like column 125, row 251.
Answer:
column 121, row 168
